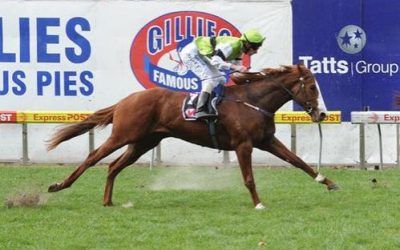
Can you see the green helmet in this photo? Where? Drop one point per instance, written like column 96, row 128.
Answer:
column 253, row 37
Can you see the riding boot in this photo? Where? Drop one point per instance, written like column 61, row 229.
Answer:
column 202, row 106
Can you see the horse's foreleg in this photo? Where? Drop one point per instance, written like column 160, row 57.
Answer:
column 243, row 152
column 131, row 155
column 104, row 150
column 280, row 150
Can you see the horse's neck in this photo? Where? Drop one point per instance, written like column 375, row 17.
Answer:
column 268, row 94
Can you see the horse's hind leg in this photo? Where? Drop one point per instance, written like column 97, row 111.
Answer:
column 131, row 155
column 104, row 150
column 123, row 160
column 280, row 150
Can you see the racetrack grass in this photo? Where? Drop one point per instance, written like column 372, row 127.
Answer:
column 300, row 213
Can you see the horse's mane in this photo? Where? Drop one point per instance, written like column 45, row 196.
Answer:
column 290, row 71
column 285, row 69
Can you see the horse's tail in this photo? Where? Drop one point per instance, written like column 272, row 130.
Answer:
column 101, row 118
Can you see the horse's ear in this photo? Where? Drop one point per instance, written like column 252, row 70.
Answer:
column 300, row 66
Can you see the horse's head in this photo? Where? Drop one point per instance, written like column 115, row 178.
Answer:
column 305, row 92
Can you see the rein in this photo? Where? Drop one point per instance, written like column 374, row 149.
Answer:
column 306, row 105
column 264, row 112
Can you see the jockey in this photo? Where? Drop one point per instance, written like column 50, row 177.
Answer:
column 206, row 56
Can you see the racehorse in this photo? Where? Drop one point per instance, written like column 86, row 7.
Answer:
column 245, row 120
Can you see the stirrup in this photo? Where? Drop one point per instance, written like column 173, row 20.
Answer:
column 203, row 115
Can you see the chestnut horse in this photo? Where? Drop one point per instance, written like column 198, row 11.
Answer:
column 245, row 120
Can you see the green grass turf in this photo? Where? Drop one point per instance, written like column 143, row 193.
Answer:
column 201, row 208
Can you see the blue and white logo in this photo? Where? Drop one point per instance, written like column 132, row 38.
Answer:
column 351, row 39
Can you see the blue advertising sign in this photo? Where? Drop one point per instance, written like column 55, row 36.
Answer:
column 42, row 44
column 353, row 49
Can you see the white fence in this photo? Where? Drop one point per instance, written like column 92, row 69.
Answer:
column 377, row 118
column 24, row 119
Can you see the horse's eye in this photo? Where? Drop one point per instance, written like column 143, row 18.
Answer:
column 313, row 88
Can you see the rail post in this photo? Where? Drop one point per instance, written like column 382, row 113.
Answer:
column 293, row 138
column 398, row 144
column 25, row 155
column 91, row 140
column 362, row 146
column 226, row 160
column 380, row 148
column 320, row 146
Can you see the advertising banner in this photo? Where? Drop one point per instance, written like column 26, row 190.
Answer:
column 352, row 47
column 43, row 116
column 86, row 55
column 90, row 54
column 298, row 117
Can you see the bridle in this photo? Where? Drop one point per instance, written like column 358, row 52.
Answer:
column 306, row 105
column 308, row 108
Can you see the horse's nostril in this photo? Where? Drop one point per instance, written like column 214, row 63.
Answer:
column 322, row 116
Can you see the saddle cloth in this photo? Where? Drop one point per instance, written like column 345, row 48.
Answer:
column 190, row 103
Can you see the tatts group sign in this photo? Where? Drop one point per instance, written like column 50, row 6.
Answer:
column 353, row 48
column 154, row 54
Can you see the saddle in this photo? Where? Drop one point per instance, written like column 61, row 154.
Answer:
column 190, row 103
column 189, row 110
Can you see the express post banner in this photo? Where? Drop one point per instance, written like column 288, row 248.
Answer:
column 8, row 116
column 301, row 117
column 43, row 116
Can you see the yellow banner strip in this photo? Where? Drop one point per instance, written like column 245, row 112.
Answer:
column 283, row 117
column 51, row 116
column 301, row 117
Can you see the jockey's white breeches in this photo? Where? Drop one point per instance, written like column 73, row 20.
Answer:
column 200, row 65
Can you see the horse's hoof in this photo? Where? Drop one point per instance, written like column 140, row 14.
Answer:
column 259, row 206
column 333, row 187
column 108, row 204
column 54, row 187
